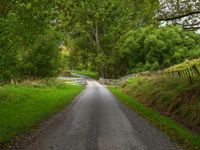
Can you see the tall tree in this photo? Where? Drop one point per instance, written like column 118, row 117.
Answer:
column 95, row 26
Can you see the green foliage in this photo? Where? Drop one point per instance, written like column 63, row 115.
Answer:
column 22, row 26
column 23, row 107
column 44, row 60
column 111, row 37
column 152, row 49
column 187, row 139
column 115, row 38
column 9, row 47
column 95, row 29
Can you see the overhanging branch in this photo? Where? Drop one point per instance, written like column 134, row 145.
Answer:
column 179, row 16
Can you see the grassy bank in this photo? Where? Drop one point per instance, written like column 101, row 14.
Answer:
column 24, row 106
column 91, row 74
column 173, row 97
column 177, row 132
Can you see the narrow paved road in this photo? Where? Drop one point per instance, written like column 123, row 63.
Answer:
column 97, row 121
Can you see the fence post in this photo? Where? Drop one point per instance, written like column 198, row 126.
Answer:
column 185, row 73
column 189, row 76
column 179, row 74
column 196, row 70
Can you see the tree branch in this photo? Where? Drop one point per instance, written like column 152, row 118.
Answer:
column 191, row 28
column 179, row 16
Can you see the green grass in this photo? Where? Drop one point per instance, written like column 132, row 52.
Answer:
column 91, row 74
column 181, row 135
column 23, row 107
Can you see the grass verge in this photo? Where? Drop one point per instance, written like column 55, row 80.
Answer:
column 22, row 107
column 91, row 74
column 184, row 137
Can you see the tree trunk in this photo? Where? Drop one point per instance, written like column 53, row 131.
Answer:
column 95, row 31
column 97, row 37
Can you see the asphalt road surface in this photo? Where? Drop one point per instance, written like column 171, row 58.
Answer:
column 97, row 121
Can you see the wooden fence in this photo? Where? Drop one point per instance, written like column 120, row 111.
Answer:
column 191, row 73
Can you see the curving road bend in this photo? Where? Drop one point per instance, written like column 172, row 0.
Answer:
column 97, row 121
